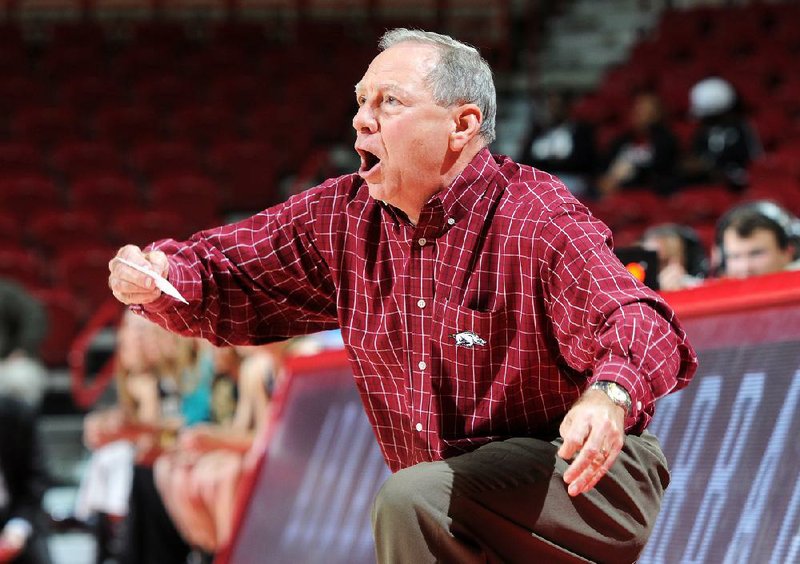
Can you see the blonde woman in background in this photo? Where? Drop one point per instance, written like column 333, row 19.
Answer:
column 150, row 363
column 198, row 480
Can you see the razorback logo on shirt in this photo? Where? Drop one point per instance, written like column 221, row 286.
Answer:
column 467, row 339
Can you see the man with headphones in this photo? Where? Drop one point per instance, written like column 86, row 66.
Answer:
column 757, row 238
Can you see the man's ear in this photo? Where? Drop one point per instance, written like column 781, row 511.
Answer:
column 467, row 120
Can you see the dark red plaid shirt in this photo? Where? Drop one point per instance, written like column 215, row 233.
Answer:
column 486, row 320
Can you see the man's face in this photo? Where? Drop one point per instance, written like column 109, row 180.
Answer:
column 402, row 133
column 754, row 255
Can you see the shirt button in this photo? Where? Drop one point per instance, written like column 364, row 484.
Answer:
column 418, row 427
column 422, row 365
column 638, row 406
column 421, row 304
column 451, row 221
column 422, row 241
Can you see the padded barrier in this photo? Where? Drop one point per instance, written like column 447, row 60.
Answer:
column 730, row 437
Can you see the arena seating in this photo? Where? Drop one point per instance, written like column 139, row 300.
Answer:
column 750, row 45
column 108, row 112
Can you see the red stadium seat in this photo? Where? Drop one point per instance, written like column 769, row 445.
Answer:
column 11, row 37
column 619, row 212
column 248, row 36
column 64, row 320
column 11, row 228
column 164, row 157
column 19, row 91
column 770, row 124
column 57, row 230
column 698, row 204
column 787, row 94
column 159, row 35
column 200, row 125
column 127, row 126
column 71, row 59
column 142, row 60
column 247, row 173
column 27, row 194
column 141, row 228
column 74, row 159
column 22, row 265
column 84, row 273
column 20, row 158
column 87, row 34
column 192, row 195
column 88, row 92
column 237, row 91
column 164, row 93
column 46, row 126
column 104, row 194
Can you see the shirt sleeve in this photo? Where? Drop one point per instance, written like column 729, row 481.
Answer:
column 256, row 281
column 606, row 324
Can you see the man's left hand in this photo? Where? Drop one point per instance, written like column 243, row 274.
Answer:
column 593, row 432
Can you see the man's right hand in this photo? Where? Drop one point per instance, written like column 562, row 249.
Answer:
column 128, row 284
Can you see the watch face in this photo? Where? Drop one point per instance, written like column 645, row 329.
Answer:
column 617, row 394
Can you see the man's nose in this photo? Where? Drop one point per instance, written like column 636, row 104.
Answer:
column 364, row 121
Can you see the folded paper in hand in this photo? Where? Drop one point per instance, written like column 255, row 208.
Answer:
column 161, row 282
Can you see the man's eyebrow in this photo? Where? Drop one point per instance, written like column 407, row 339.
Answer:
column 385, row 87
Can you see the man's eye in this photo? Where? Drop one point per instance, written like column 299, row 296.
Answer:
column 390, row 100
column 361, row 100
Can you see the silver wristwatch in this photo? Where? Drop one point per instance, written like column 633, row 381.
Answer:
column 615, row 393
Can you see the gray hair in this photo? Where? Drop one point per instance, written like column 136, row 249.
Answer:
column 461, row 76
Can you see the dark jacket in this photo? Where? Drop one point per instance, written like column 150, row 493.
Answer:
column 25, row 475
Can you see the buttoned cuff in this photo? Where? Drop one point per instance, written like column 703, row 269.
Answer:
column 622, row 373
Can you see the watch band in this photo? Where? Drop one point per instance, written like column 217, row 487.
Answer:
column 616, row 393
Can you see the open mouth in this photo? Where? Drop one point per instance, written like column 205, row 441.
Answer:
column 369, row 162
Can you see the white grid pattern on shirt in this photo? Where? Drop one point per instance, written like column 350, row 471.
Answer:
column 524, row 266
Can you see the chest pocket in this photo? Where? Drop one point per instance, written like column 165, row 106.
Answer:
column 470, row 348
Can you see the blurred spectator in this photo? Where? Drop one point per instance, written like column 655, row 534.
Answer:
column 562, row 145
column 111, row 434
column 644, row 156
column 23, row 325
column 198, row 480
column 681, row 259
column 23, row 480
column 757, row 238
column 724, row 143
column 151, row 535
column 150, row 364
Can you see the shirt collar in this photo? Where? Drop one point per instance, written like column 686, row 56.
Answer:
column 451, row 205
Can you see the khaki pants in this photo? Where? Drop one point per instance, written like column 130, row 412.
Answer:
column 507, row 502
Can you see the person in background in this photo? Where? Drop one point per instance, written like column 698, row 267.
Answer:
column 23, row 481
column 23, row 326
column 562, row 145
column 150, row 533
column 644, row 156
column 198, row 480
column 507, row 361
column 149, row 364
column 724, row 143
column 757, row 238
column 112, row 435
column 682, row 262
